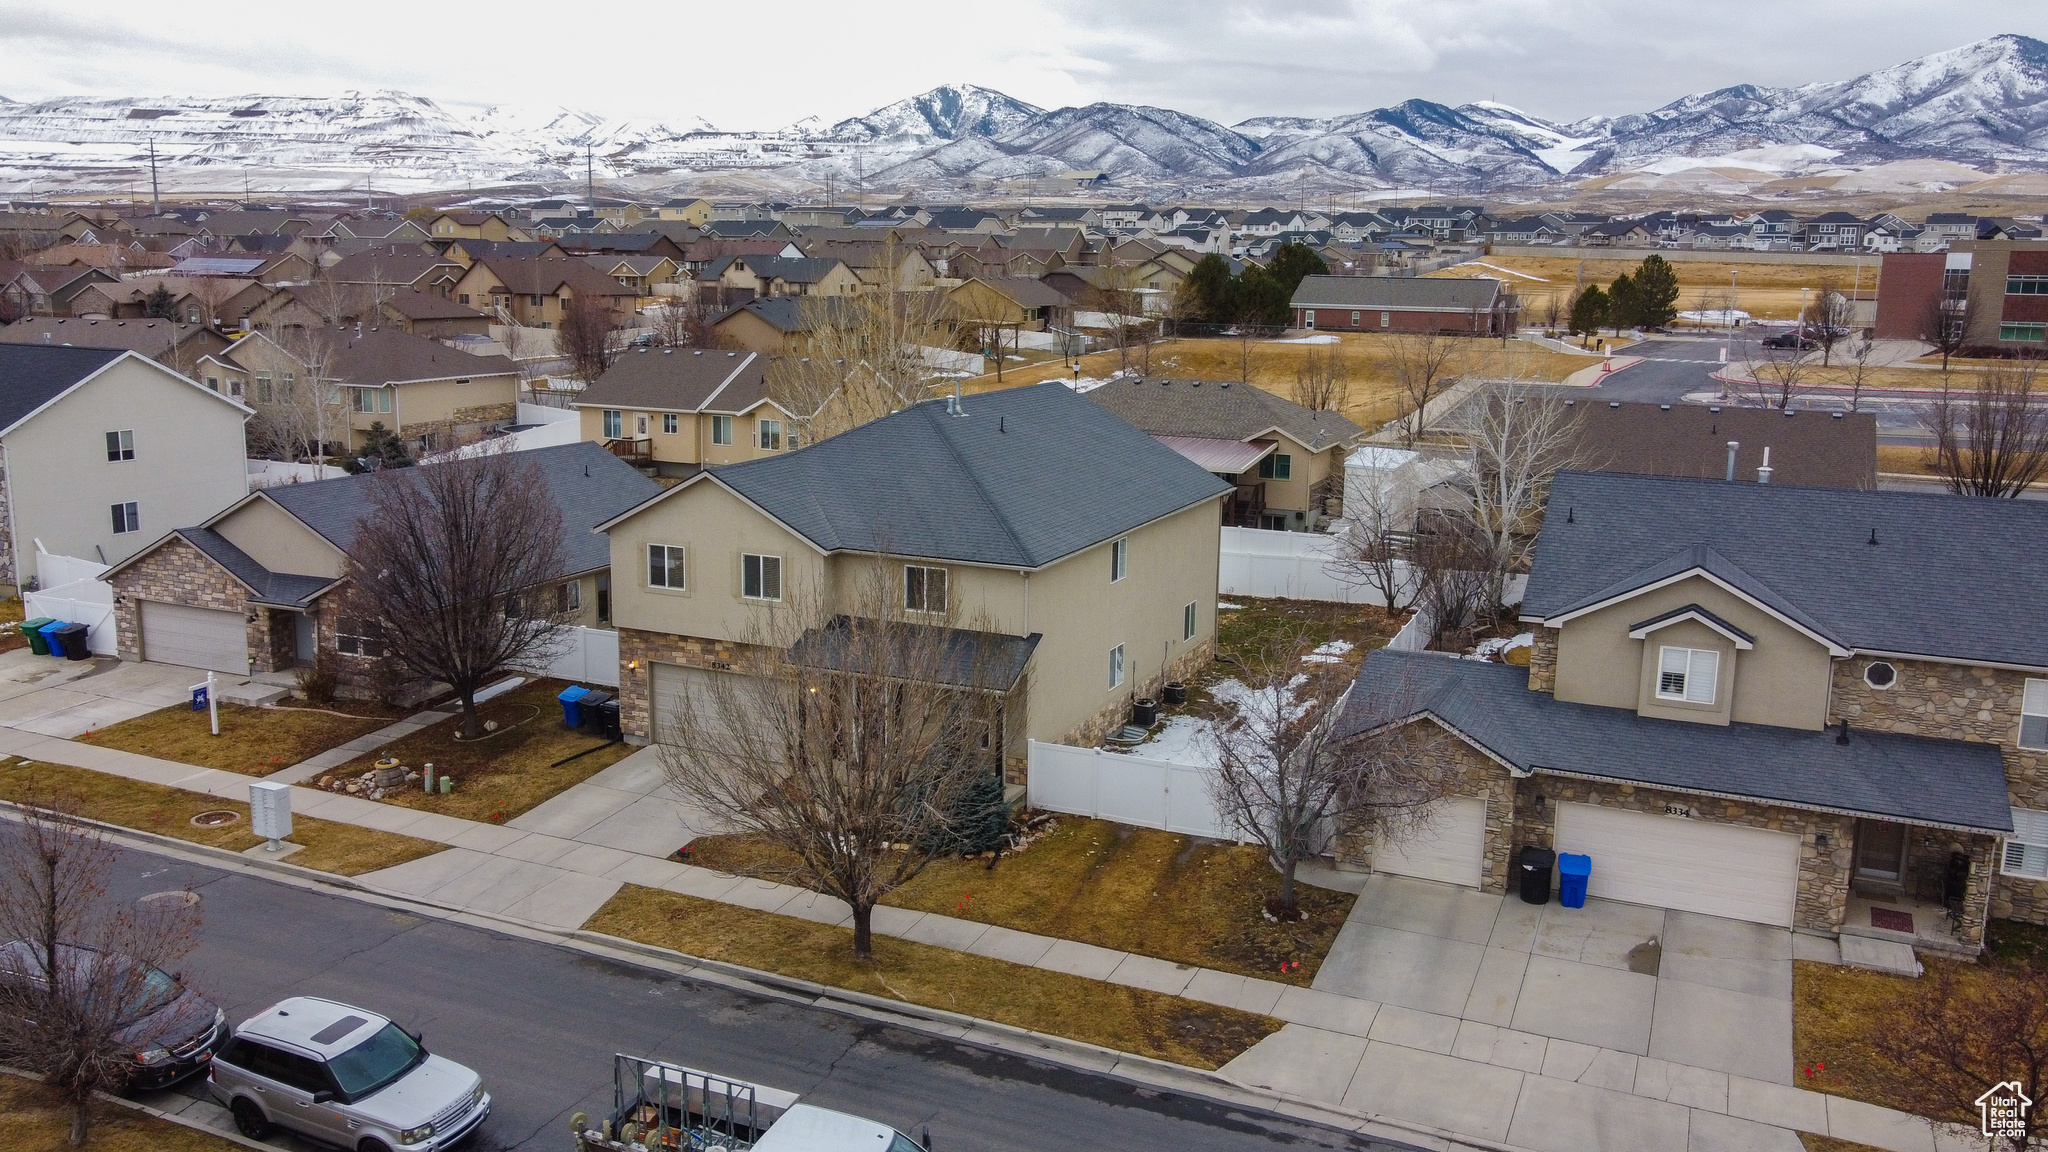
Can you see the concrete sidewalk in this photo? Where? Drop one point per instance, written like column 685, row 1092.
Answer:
column 1355, row 1040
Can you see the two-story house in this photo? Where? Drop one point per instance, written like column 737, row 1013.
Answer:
column 1824, row 709
column 260, row 583
column 1284, row 461
column 538, row 293
column 1080, row 551
column 682, row 409
column 101, row 448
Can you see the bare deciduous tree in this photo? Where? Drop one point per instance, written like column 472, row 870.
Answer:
column 1287, row 774
column 1115, row 295
column 1522, row 436
column 1947, row 324
column 1777, row 375
column 456, row 562
column 83, row 982
column 306, row 412
column 1420, row 364
column 1992, row 441
column 863, row 357
column 852, row 744
column 1973, row 1032
column 682, row 321
column 585, row 337
column 1322, row 381
column 1859, row 373
column 1830, row 317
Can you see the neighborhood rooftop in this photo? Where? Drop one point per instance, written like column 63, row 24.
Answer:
column 1217, row 410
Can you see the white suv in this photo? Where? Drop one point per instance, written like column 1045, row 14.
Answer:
column 344, row 1076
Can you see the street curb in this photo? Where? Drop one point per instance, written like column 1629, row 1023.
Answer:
column 158, row 1113
column 278, row 866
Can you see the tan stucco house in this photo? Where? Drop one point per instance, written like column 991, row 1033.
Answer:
column 1078, row 552
column 1822, row 709
column 101, row 449
column 679, row 410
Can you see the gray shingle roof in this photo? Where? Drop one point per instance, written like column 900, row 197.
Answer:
column 1028, row 476
column 379, row 356
column 1218, row 410
column 31, row 375
column 680, row 380
column 1953, row 782
column 284, row 589
column 1447, row 294
column 588, row 484
column 991, row 661
column 1952, row 577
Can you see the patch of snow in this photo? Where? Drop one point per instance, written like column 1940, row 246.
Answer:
column 1227, row 606
column 1318, row 338
column 1182, row 739
column 1498, row 268
column 1774, row 158
column 1493, row 649
column 1565, row 157
column 1728, row 316
column 1331, row 653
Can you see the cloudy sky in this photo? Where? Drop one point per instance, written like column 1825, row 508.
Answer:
column 765, row 65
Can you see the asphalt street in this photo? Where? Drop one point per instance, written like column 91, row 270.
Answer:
column 541, row 1024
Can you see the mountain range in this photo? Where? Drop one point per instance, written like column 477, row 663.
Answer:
column 1943, row 120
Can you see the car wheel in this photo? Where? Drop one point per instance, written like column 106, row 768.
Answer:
column 373, row 1145
column 249, row 1120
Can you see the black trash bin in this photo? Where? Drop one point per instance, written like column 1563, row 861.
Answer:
column 592, row 702
column 608, row 719
column 72, row 637
column 1534, row 865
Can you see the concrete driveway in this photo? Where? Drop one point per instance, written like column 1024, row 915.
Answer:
column 628, row 805
column 67, row 698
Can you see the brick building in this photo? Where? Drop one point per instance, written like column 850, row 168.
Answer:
column 1459, row 307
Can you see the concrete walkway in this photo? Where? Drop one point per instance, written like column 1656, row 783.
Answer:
column 341, row 754
column 1551, row 1045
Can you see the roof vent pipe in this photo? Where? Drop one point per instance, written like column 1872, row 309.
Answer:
column 1732, row 446
column 1763, row 471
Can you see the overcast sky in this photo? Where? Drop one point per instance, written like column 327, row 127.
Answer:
column 766, row 65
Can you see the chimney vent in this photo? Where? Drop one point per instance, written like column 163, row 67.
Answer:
column 1842, row 733
column 1763, row 471
column 1732, row 446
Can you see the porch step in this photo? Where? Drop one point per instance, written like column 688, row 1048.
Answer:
column 1877, row 955
column 252, row 693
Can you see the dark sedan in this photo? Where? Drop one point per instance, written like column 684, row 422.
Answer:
column 169, row 1031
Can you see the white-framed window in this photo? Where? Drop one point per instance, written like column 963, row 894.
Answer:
column 771, row 434
column 356, row 636
column 1187, row 621
column 640, row 424
column 1278, row 466
column 1308, row 318
column 2026, row 850
column 924, row 588
column 263, row 387
column 721, row 430
column 1880, row 674
column 127, row 518
column 670, row 422
column 1354, row 319
column 2034, row 715
column 120, row 446
column 1116, row 667
column 1119, row 560
column 665, row 567
column 614, row 424
column 760, row 577
column 1687, row 674
column 1386, row 319
column 569, row 597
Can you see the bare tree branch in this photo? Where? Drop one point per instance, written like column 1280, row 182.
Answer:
column 1992, row 441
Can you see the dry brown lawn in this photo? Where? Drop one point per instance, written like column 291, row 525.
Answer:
column 252, row 741
column 505, row 773
column 343, row 849
column 10, row 615
column 34, row 1119
column 1131, row 1020
column 1815, row 1143
column 1764, row 290
column 1905, row 460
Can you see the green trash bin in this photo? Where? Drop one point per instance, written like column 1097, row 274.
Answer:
column 33, row 629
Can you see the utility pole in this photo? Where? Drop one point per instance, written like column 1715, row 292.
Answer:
column 156, row 202
column 589, row 180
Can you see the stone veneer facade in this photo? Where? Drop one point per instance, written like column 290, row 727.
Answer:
column 1543, row 660
column 10, row 568
column 178, row 573
column 1478, row 775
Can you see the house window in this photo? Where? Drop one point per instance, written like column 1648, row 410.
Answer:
column 1308, row 318
column 721, row 430
column 355, row 636
column 669, row 422
column 1354, row 319
column 771, row 434
column 1187, row 621
column 2024, row 333
column 2026, row 285
column 120, row 446
column 287, row 385
column 613, row 424
column 2026, row 850
column 924, row 589
column 1278, row 466
column 213, row 382
column 2034, row 715
column 234, row 387
column 569, row 597
column 1116, row 667
column 604, row 597
column 263, row 387
column 1386, row 319
column 1119, row 560
column 760, row 577
column 464, row 299
column 1687, row 674
column 537, row 301
column 640, row 424
column 127, row 518
column 665, row 567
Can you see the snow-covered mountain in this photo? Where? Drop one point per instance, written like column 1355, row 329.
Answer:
column 1975, row 110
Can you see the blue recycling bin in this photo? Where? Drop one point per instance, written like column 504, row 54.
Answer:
column 572, row 709
column 50, row 641
column 1573, row 871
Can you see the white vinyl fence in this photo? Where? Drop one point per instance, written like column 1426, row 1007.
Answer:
column 1290, row 565
column 69, row 589
column 1124, row 788
column 590, row 657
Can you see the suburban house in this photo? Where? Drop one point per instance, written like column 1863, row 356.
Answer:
column 1008, row 302
column 473, row 226
column 1067, row 549
column 678, row 410
column 1284, row 462
column 538, row 293
column 259, row 586
column 1817, row 708
column 775, row 326
column 735, row 276
column 101, row 448
column 175, row 345
column 1453, row 305
column 1799, row 448
column 397, row 266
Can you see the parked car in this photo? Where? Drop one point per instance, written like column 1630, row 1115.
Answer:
column 1797, row 340
column 171, row 1031
column 344, row 1076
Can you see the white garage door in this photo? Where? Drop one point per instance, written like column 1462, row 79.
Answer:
column 1689, row 864
column 687, row 700
column 1449, row 846
column 195, row 637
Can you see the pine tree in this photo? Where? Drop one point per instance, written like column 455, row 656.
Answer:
column 1656, row 292
column 979, row 821
column 1294, row 263
column 1261, row 299
column 1215, row 292
column 159, row 305
column 381, row 449
column 1624, row 304
column 1589, row 311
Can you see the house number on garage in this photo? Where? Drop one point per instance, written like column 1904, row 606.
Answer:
column 1678, row 810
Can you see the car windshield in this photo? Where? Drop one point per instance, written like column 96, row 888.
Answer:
column 154, row 990
column 904, row 1143
column 375, row 1062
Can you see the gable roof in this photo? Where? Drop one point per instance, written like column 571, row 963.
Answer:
column 1218, row 410
column 379, row 356
column 148, row 337
column 1398, row 293
column 543, row 276
column 414, row 304
column 1957, row 783
column 1953, row 578
column 390, row 265
column 32, row 375
column 1028, row 476
column 680, row 380
column 1808, row 448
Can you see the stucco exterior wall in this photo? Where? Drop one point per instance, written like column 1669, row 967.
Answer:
column 277, row 540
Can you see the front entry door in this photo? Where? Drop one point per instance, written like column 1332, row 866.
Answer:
column 1880, row 851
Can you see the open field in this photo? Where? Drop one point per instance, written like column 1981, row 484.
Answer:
column 1373, row 397
column 1766, row 291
